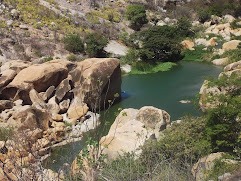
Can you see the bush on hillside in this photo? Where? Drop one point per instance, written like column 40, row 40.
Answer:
column 136, row 14
column 184, row 27
column 159, row 44
column 73, row 43
column 95, row 44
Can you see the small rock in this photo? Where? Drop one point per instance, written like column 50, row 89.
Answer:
column 222, row 177
column 77, row 109
column 53, row 106
column 18, row 102
column 64, row 106
column 6, row 104
column 57, row 117
column 220, row 61
column 185, row 101
column 23, row 27
column 49, row 93
column 62, row 89
column 126, row 68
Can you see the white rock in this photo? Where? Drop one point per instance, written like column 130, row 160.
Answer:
column 126, row 68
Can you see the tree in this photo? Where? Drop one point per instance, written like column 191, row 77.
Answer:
column 159, row 44
column 137, row 15
column 184, row 27
column 95, row 44
column 73, row 43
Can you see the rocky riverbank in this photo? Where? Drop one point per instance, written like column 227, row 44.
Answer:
column 50, row 103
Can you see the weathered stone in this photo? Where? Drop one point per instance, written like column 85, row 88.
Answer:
column 205, row 92
column 231, row 45
column 6, row 104
column 16, row 65
column 36, row 99
column 38, row 77
column 49, row 93
column 187, row 44
column 150, row 116
column 220, row 61
column 206, row 163
column 6, row 77
column 101, row 73
column 53, row 106
column 58, row 124
column 233, row 66
column 64, row 106
column 62, row 89
column 57, row 117
column 77, row 109
column 132, row 128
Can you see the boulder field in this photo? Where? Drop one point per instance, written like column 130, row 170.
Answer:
column 48, row 103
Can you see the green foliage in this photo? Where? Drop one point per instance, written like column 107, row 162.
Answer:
column 137, row 16
column 46, row 59
column 72, row 58
column 146, row 68
column 92, row 18
column 204, row 15
column 184, row 27
column 223, row 125
column 107, row 13
column 220, row 167
column 6, row 133
column 200, row 54
column 216, row 10
column 186, row 141
column 73, row 43
column 233, row 55
column 158, row 44
column 131, row 57
column 95, row 44
column 235, row 25
column 124, row 38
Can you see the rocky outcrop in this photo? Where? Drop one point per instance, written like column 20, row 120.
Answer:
column 132, row 128
column 38, row 77
column 45, row 103
column 231, row 45
column 97, row 81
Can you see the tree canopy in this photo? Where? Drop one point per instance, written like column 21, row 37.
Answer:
column 137, row 15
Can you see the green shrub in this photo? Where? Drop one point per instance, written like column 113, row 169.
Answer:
column 216, row 10
column 73, row 43
column 146, row 68
column 184, row 27
column 204, row 15
column 235, row 25
column 6, row 133
column 131, row 57
column 223, row 125
column 72, row 58
column 137, row 16
column 95, row 44
column 233, row 55
column 46, row 59
column 158, row 44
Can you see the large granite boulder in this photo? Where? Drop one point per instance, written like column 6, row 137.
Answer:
column 97, row 80
column 10, row 69
column 220, row 61
column 39, row 77
column 204, row 164
column 231, row 45
column 132, row 128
